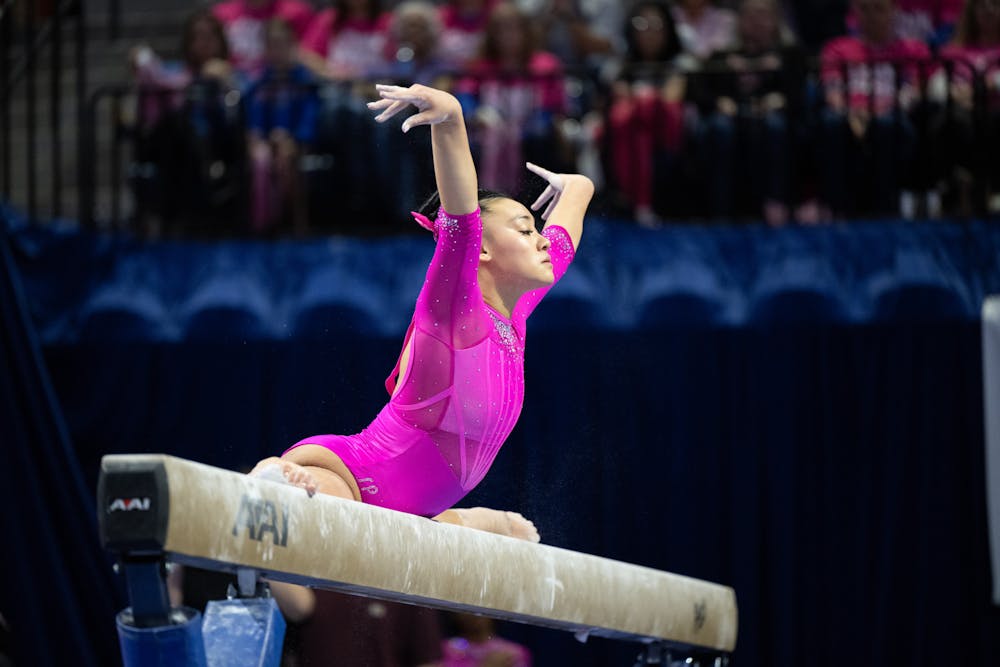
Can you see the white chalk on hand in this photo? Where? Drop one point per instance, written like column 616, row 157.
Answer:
column 272, row 473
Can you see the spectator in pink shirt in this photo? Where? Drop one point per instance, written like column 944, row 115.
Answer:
column 400, row 168
column 515, row 98
column 245, row 21
column 930, row 21
column 415, row 47
column 869, row 83
column 868, row 59
column 975, row 54
column 464, row 23
column 347, row 40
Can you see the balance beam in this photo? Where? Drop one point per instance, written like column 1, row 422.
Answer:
column 195, row 514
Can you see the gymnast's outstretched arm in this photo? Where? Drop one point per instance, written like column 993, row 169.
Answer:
column 565, row 199
column 454, row 169
column 457, row 182
column 317, row 469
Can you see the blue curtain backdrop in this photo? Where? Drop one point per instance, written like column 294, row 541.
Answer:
column 795, row 413
column 58, row 595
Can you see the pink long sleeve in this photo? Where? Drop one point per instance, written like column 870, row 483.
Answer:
column 450, row 305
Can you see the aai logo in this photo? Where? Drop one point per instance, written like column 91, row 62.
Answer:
column 261, row 517
column 129, row 505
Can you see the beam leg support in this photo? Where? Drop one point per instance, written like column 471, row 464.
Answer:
column 150, row 633
column 242, row 632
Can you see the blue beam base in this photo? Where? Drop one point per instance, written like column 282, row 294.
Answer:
column 179, row 644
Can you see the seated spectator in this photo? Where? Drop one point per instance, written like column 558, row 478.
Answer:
column 398, row 164
column 581, row 33
column 476, row 644
column 747, row 96
column 188, row 143
column 870, row 83
column 204, row 53
column 514, row 99
column 245, row 24
column 703, row 28
column 464, row 25
column 347, row 45
column 645, row 115
column 972, row 75
column 929, row 21
column 365, row 153
column 281, row 121
column 414, row 47
column 347, row 41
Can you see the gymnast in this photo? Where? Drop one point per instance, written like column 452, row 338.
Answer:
column 458, row 386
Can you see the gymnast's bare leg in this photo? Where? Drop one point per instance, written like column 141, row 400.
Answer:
column 318, row 470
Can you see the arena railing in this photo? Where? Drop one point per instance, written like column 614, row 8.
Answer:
column 109, row 108
column 27, row 31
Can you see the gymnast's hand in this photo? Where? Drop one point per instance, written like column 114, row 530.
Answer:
column 552, row 193
column 280, row 470
column 433, row 106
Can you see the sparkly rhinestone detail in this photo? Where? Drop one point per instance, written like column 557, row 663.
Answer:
column 507, row 335
column 446, row 223
column 560, row 241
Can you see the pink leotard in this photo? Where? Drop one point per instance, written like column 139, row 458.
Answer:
column 462, row 390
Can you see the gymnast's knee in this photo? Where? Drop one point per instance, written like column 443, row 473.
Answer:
column 311, row 455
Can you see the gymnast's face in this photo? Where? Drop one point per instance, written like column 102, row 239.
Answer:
column 513, row 250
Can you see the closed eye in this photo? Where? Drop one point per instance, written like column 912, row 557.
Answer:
column 527, row 232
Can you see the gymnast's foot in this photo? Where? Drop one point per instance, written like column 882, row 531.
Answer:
column 280, row 470
column 511, row 524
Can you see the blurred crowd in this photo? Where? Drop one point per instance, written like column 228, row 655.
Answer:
column 798, row 113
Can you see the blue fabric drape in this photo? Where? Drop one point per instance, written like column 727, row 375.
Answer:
column 57, row 594
column 796, row 413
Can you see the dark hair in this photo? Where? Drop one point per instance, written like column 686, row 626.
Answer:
column 490, row 49
column 672, row 44
column 374, row 11
column 967, row 31
column 187, row 35
column 430, row 207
